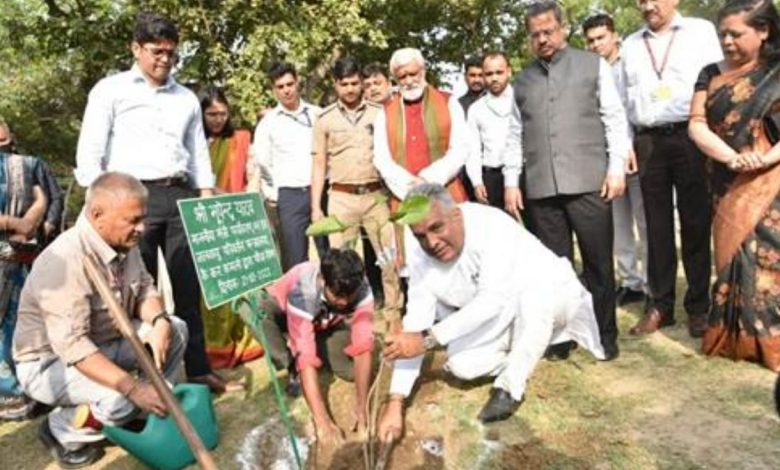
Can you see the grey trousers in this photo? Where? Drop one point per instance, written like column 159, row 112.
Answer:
column 53, row 382
column 627, row 211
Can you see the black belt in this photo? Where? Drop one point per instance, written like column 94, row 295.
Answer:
column 664, row 129
column 491, row 169
column 170, row 181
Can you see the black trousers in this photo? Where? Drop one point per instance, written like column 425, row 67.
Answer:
column 164, row 229
column 670, row 163
column 494, row 185
column 294, row 206
column 554, row 219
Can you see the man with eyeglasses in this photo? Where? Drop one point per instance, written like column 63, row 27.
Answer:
column 661, row 62
column 325, row 310
column 143, row 123
column 569, row 139
column 283, row 148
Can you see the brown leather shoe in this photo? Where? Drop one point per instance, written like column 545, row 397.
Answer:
column 651, row 322
column 697, row 324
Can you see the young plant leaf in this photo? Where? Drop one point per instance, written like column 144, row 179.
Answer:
column 412, row 210
column 326, row 226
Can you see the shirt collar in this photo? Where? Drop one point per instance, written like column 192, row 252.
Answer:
column 95, row 242
column 303, row 107
column 138, row 76
column 343, row 108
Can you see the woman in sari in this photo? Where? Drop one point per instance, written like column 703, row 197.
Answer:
column 228, row 341
column 734, row 121
column 22, row 208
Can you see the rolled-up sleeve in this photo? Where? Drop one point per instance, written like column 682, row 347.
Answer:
column 65, row 306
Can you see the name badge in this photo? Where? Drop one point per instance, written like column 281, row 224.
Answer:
column 662, row 92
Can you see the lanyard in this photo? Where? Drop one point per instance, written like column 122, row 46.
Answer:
column 659, row 71
column 305, row 113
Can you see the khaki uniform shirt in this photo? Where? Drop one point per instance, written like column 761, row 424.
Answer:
column 346, row 138
column 60, row 312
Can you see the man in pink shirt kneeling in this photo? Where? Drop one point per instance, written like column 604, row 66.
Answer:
column 325, row 311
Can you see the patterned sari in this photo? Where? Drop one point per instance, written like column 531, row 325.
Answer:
column 228, row 341
column 744, row 321
column 16, row 196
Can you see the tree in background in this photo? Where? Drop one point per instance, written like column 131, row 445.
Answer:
column 54, row 51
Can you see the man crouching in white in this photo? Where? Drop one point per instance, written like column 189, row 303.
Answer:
column 490, row 293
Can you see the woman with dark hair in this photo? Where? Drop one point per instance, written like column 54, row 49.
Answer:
column 735, row 118
column 229, row 147
column 228, row 341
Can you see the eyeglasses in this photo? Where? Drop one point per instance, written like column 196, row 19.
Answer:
column 158, row 53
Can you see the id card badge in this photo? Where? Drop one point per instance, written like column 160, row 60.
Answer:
column 662, row 92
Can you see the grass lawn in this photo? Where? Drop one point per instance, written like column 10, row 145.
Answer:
column 659, row 405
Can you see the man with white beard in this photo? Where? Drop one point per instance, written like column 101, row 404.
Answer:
column 421, row 134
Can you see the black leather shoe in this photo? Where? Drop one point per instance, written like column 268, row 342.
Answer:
column 82, row 457
column 625, row 296
column 611, row 352
column 499, row 406
column 560, row 351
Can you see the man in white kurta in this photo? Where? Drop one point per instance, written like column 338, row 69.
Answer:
column 490, row 293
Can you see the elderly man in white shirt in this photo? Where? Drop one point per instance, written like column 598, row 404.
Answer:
column 661, row 62
column 141, row 122
column 488, row 125
column 283, row 148
column 492, row 295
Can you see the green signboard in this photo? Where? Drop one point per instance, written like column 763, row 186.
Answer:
column 232, row 245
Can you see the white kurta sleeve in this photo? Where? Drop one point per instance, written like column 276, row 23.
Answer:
column 397, row 179
column 447, row 167
column 421, row 313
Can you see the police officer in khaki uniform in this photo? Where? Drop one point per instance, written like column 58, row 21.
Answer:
column 343, row 147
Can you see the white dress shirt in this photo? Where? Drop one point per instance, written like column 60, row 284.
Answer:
column 283, row 142
column 503, row 273
column 149, row 132
column 613, row 116
column 397, row 178
column 691, row 43
column 488, row 125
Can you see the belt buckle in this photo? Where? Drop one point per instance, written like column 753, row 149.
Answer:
column 361, row 189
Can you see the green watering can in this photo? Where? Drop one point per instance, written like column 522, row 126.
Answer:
column 160, row 445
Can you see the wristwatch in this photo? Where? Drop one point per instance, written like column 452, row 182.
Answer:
column 429, row 341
